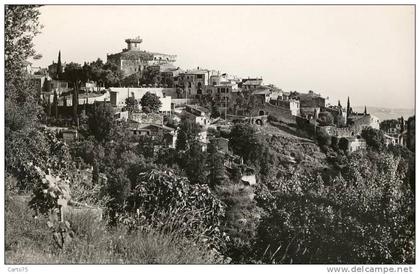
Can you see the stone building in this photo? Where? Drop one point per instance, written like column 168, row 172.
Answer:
column 310, row 100
column 250, row 83
column 197, row 114
column 193, row 82
column 133, row 60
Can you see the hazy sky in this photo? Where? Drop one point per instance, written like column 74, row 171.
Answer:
column 365, row 52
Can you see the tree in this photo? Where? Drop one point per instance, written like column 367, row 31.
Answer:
column 74, row 74
column 215, row 113
column 59, row 67
column 118, row 188
column 23, row 143
column 101, row 122
column 374, row 138
column 131, row 104
column 188, row 131
column 132, row 80
column 326, row 119
column 21, row 26
column 55, row 104
column 194, row 164
column 111, row 74
column 151, row 76
column 181, row 141
column 150, row 102
column 244, row 142
column 215, row 163
column 343, row 144
column 324, row 139
column 96, row 69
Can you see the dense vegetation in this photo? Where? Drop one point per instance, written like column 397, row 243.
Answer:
column 186, row 205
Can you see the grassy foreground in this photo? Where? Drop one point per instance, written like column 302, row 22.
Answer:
column 29, row 241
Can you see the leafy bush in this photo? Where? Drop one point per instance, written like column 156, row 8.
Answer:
column 158, row 196
column 150, row 102
column 41, row 147
column 312, row 221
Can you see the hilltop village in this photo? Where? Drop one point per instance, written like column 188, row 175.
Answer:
column 134, row 160
column 212, row 99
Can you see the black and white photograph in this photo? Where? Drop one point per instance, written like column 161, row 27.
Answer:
column 209, row 134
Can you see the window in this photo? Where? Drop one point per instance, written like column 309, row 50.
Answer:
column 199, row 76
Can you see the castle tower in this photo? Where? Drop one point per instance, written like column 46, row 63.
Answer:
column 133, row 43
column 365, row 112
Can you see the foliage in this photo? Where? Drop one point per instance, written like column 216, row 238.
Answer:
column 159, row 196
column 132, row 80
column 40, row 147
column 106, row 75
column 244, row 142
column 311, row 221
column 151, row 76
column 118, row 189
column 187, row 134
column 28, row 242
column 215, row 163
column 22, row 111
column 215, row 113
column 74, row 74
column 48, row 193
column 375, row 138
column 194, row 164
column 241, row 219
column 101, row 122
column 111, row 75
column 326, row 119
column 343, row 144
column 323, row 138
column 150, row 102
column 131, row 104
column 386, row 125
column 21, row 26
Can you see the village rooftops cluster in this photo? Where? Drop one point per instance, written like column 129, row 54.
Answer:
column 232, row 97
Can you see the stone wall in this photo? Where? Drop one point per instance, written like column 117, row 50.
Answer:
column 280, row 113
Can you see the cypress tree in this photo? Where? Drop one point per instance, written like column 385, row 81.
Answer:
column 59, row 68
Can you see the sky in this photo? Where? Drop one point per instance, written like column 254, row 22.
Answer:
column 365, row 52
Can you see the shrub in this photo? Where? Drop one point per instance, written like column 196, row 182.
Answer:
column 159, row 196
